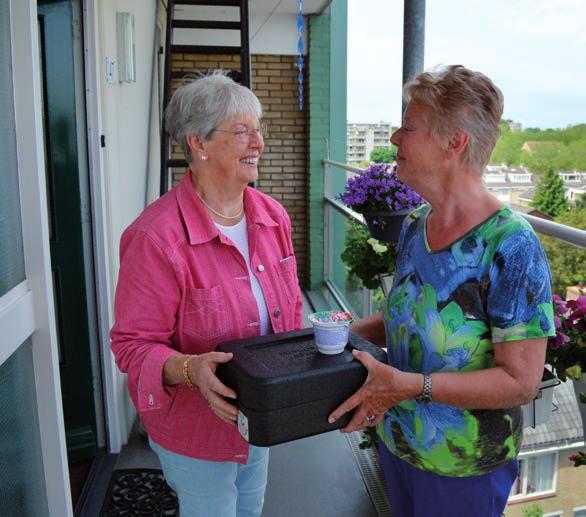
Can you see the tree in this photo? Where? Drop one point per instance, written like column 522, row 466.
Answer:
column 566, row 261
column 508, row 149
column 383, row 154
column 549, row 194
column 573, row 156
column 561, row 148
column 542, row 156
column 533, row 510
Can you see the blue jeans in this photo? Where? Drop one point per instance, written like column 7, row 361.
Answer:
column 414, row 492
column 216, row 489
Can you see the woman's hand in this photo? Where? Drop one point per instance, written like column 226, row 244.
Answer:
column 384, row 387
column 202, row 372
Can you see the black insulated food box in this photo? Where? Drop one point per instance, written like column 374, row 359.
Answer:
column 286, row 388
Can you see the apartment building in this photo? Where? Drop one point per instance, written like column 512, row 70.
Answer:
column 363, row 138
column 517, row 185
column 508, row 183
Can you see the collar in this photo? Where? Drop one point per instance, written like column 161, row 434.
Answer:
column 198, row 222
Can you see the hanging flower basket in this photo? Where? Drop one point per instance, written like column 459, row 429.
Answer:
column 383, row 199
column 367, row 258
column 384, row 225
column 539, row 410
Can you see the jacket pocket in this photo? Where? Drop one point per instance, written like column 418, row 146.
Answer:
column 287, row 274
column 206, row 316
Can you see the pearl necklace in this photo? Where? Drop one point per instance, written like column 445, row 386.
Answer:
column 218, row 213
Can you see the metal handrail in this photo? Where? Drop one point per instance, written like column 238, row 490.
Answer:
column 558, row 231
column 344, row 166
column 345, row 211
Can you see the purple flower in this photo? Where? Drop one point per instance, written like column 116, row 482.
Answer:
column 567, row 349
column 378, row 188
column 559, row 341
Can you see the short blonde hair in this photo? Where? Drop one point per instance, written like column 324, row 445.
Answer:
column 460, row 99
column 199, row 107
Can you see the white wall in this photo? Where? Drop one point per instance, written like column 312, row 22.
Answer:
column 124, row 110
column 119, row 170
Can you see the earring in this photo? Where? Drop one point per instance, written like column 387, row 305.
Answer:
column 204, row 156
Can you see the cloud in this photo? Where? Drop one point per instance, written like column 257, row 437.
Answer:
column 534, row 50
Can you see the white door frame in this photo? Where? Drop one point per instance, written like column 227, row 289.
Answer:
column 115, row 396
column 34, row 298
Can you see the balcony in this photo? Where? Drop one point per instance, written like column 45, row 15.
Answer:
column 546, row 447
column 357, row 487
column 118, row 178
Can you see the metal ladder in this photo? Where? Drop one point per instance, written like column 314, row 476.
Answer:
column 243, row 76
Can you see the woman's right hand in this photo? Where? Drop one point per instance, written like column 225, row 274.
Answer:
column 202, row 372
column 385, row 386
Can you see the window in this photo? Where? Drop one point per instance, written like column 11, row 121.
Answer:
column 537, row 475
column 580, row 512
column 11, row 251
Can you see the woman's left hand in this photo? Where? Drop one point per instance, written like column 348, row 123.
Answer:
column 381, row 390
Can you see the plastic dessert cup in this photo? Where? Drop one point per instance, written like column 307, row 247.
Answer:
column 331, row 330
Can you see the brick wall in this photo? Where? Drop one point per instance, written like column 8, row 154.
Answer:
column 283, row 166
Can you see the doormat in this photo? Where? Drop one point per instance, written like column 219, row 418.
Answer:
column 139, row 493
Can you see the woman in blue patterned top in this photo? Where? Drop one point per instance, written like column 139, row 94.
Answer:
column 467, row 320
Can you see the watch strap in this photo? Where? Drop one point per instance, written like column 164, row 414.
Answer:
column 425, row 395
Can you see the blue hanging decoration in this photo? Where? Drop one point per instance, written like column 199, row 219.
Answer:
column 300, row 51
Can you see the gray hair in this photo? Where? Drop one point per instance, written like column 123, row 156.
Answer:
column 460, row 99
column 199, row 107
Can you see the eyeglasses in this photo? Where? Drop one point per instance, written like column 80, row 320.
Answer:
column 245, row 134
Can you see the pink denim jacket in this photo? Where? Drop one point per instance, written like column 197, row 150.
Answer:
column 183, row 287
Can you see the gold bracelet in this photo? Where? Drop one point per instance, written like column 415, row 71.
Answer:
column 185, row 368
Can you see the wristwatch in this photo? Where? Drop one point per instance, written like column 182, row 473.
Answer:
column 425, row 395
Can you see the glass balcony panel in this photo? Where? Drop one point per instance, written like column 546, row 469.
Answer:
column 359, row 300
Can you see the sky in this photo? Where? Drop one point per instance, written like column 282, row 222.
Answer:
column 533, row 50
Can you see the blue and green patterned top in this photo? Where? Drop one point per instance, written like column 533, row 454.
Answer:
column 443, row 314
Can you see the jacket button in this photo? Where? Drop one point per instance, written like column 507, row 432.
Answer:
column 277, row 313
column 261, row 268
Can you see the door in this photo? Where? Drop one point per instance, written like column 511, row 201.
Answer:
column 65, row 226
column 23, row 487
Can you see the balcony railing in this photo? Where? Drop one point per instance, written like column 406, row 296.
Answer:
column 352, row 296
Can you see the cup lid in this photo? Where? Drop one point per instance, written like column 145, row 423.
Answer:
column 330, row 318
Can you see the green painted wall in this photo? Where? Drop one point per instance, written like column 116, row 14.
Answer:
column 338, row 79
column 327, row 119
column 338, row 119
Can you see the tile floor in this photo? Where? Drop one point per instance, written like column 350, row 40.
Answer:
column 315, row 476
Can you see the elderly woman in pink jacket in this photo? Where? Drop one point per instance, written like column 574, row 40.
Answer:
column 211, row 260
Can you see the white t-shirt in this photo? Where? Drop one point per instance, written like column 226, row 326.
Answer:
column 239, row 236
